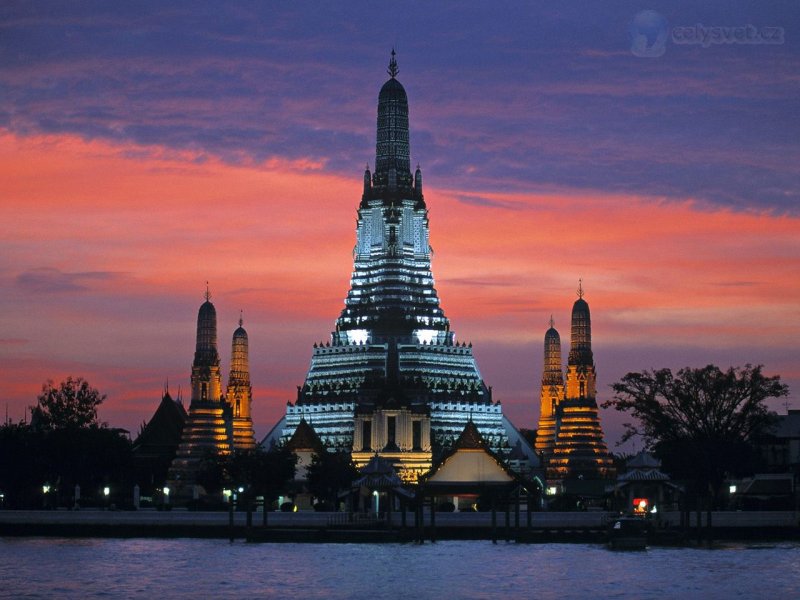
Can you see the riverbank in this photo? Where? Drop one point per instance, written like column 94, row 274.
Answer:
column 544, row 527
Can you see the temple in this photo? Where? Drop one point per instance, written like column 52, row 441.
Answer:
column 392, row 379
column 570, row 437
column 239, row 393
column 216, row 423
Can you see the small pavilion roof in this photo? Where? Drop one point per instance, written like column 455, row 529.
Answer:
column 305, row 438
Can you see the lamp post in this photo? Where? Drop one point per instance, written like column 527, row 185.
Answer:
column 166, row 497
column 45, row 491
column 106, row 495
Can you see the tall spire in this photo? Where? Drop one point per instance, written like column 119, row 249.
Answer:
column 580, row 352
column 239, row 393
column 392, row 164
column 551, row 394
column 579, row 449
column 206, row 348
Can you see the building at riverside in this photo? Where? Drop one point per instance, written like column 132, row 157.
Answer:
column 393, row 379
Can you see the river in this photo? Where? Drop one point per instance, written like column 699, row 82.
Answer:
column 202, row 568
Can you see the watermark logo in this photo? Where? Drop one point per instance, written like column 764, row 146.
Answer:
column 650, row 32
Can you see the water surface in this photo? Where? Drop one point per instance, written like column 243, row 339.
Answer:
column 180, row 568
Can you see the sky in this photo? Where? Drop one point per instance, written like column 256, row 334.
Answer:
column 652, row 151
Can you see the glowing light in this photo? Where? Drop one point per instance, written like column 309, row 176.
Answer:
column 166, row 491
column 732, row 489
column 106, row 491
column 425, row 336
column 45, row 489
column 226, row 494
column 552, row 490
column 358, row 336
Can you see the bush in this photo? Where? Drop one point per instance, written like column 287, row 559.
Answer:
column 287, row 507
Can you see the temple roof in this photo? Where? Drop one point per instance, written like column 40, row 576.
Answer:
column 164, row 427
column 304, row 438
column 470, row 438
column 643, row 460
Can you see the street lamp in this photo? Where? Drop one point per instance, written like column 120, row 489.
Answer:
column 45, row 491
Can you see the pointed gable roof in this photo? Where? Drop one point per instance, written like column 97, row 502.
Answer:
column 470, row 438
column 164, row 427
column 304, row 438
column 469, row 464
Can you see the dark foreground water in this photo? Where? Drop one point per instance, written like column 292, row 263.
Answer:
column 162, row 569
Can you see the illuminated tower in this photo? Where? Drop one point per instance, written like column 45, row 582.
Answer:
column 207, row 427
column 206, row 379
column 392, row 379
column 579, row 449
column 239, row 394
column 552, row 392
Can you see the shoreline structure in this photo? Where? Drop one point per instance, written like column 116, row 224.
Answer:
column 581, row 527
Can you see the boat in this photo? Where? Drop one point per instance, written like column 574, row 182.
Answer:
column 628, row 533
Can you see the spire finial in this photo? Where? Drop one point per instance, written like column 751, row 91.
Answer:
column 580, row 288
column 393, row 70
column 241, row 320
column 208, row 293
column 552, row 322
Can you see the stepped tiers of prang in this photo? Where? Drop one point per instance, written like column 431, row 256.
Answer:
column 569, row 437
column 216, row 422
column 392, row 379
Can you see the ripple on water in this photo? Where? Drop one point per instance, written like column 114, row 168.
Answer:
column 164, row 569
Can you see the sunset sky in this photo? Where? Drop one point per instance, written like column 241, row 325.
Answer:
column 149, row 147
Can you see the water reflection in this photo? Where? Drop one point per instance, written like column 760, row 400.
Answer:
column 139, row 568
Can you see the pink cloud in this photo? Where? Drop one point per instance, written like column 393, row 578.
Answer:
column 106, row 249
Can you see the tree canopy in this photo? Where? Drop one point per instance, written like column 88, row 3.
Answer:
column 260, row 472
column 71, row 405
column 700, row 422
column 330, row 473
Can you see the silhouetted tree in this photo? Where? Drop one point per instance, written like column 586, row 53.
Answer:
column 73, row 404
column 64, row 446
column 330, row 473
column 258, row 472
column 699, row 422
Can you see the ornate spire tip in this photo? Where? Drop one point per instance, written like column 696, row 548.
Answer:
column 208, row 293
column 241, row 320
column 393, row 70
column 552, row 322
column 580, row 288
